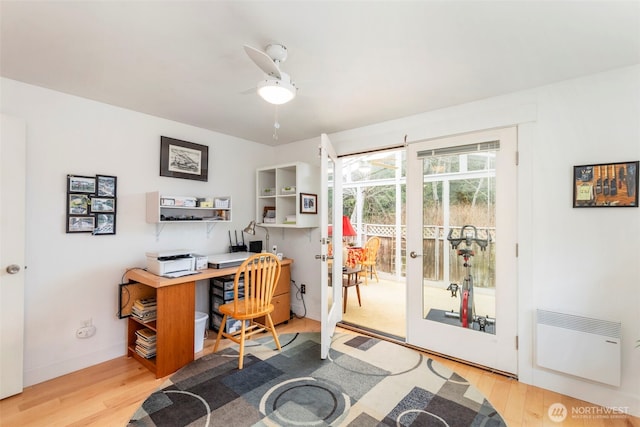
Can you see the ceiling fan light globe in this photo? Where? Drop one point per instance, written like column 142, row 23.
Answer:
column 276, row 91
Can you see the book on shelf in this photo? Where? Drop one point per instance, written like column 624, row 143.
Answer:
column 145, row 317
column 144, row 309
column 146, row 343
column 145, row 303
column 146, row 334
column 144, row 352
column 147, row 347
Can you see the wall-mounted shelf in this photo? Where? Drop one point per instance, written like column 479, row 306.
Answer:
column 166, row 209
column 278, row 189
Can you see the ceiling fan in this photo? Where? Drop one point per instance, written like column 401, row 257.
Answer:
column 277, row 87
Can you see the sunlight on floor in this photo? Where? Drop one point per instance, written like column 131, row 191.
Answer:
column 384, row 305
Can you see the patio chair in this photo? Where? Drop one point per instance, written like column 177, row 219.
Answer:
column 368, row 262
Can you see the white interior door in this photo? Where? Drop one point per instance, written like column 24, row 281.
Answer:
column 12, row 254
column 330, row 204
column 463, row 184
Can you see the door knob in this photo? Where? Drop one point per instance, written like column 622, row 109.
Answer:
column 413, row 254
column 13, row 269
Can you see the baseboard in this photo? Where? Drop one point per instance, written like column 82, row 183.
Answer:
column 54, row 370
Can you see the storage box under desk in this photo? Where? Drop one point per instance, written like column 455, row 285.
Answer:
column 221, row 291
column 232, row 325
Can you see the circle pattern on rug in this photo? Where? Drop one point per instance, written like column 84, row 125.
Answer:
column 401, row 368
column 305, row 401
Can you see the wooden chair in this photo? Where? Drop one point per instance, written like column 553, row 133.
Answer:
column 253, row 287
column 368, row 262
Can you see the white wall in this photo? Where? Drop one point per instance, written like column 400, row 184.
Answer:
column 580, row 261
column 74, row 277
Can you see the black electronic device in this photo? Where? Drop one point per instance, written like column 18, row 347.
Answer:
column 255, row 246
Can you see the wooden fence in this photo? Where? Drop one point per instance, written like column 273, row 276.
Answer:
column 434, row 243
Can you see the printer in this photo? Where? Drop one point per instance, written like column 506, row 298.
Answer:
column 170, row 262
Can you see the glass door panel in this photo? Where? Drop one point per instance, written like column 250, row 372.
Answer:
column 330, row 205
column 461, row 269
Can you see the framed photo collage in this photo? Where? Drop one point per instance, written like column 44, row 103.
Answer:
column 91, row 204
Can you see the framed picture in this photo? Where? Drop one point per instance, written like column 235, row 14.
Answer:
column 81, row 184
column 182, row 159
column 105, row 224
column 308, row 203
column 80, row 224
column 103, row 204
column 78, row 204
column 610, row 185
column 91, row 204
column 106, row 186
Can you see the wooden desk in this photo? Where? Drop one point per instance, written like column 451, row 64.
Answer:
column 175, row 322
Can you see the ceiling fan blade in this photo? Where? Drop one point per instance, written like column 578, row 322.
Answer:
column 383, row 164
column 263, row 61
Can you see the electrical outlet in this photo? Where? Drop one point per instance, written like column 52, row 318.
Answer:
column 87, row 330
column 303, row 288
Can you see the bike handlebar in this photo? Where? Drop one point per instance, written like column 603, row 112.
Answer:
column 468, row 239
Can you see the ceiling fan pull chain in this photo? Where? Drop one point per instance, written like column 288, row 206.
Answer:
column 276, row 125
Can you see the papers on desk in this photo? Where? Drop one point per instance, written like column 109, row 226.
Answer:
column 180, row 273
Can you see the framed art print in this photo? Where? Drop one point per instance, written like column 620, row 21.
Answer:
column 81, row 184
column 182, row 159
column 308, row 203
column 80, row 224
column 105, row 224
column 106, row 186
column 103, row 204
column 78, row 204
column 606, row 185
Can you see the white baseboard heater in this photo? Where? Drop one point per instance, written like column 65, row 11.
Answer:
column 580, row 346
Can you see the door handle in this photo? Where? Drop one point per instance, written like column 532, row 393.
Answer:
column 13, row 269
column 323, row 257
column 413, row 254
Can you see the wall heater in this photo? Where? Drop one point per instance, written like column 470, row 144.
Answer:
column 580, row 346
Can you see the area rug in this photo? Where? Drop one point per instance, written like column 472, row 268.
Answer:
column 364, row 382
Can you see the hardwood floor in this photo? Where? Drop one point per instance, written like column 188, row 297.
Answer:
column 109, row 393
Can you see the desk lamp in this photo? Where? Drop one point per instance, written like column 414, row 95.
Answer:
column 251, row 229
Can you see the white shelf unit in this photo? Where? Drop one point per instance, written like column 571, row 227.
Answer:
column 160, row 214
column 279, row 188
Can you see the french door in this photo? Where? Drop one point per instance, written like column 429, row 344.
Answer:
column 461, row 247
column 330, row 204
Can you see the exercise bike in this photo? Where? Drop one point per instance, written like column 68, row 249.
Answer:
column 467, row 313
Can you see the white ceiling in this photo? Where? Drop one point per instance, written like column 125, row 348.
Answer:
column 355, row 63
